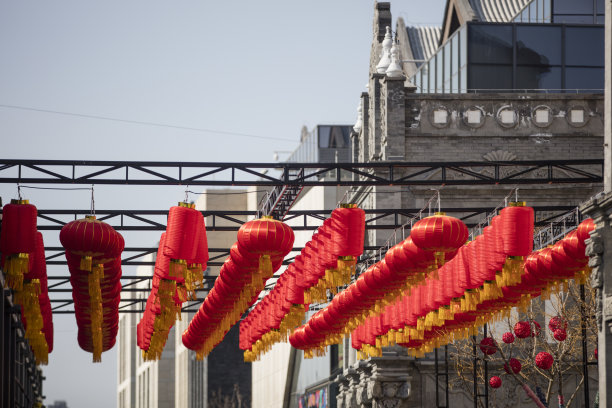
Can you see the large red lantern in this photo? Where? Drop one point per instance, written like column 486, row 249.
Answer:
column 439, row 233
column 347, row 237
column 17, row 240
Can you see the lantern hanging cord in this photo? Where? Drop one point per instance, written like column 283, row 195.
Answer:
column 93, row 207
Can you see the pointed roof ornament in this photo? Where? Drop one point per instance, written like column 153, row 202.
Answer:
column 359, row 122
column 385, row 58
column 394, row 70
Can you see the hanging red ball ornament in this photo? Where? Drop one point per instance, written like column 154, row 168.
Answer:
column 508, row 338
column 544, row 360
column 495, row 382
column 560, row 334
column 522, row 329
column 557, row 322
column 488, row 346
column 514, row 365
column 595, row 354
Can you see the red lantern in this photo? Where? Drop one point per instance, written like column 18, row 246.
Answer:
column 557, row 322
column 514, row 365
column 560, row 334
column 544, row 360
column 522, row 329
column 495, row 382
column 508, row 338
column 488, row 346
column 17, row 240
column 439, row 233
column 347, row 237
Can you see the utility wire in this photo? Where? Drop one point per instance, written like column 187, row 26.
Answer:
column 138, row 122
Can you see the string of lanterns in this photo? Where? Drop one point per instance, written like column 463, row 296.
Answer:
column 406, row 266
column 23, row 260
column 259, row 251
column 327, row 261
column 179, row 271
column 93, row 253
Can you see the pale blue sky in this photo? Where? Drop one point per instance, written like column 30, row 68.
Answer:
column 262, row 68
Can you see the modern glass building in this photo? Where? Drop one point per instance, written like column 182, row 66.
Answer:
column 551, row 46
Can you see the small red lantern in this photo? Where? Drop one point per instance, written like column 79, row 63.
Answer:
column 488, row 346
column 495, row 382
column 508, row 338
column 560, row 334
column 347, row 237
column 557, row 322
column 522, row 329
column 514, row 365
column 544, row 360
column 17, row 240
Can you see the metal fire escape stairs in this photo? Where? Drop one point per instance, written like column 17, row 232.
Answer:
column 280, row 199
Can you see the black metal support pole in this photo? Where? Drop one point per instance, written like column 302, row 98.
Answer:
column 446, row 403
column 475, row 371
column 437, row 368
column 585, row 363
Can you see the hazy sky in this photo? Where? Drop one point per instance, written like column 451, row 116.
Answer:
column 259, row 68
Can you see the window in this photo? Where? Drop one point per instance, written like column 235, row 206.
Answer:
column 333, row 137
column 584, row 78
column 542, row 77
column 439, row 73
column 580, row 44
column 538, row 45
column 490, row 44
column 573, row 7
column 533, row 12
column 484, row 76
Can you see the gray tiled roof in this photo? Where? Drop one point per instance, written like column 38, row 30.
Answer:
column 497, row 11
column 423, row 41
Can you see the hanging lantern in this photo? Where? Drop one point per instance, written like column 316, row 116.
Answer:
column 517, row 225
column 544, row 360
column 439, row 233
column 17, row 240
column 347, row 238
column 181, row 236
column 495, row 382
column 513, row 365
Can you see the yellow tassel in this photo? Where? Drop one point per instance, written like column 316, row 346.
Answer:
column 265, row 266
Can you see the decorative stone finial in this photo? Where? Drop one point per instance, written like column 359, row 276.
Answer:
column 359, row 122
column 394, row 70
column 385, row 58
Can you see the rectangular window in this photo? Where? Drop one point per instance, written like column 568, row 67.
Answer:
column 584, row 78
column 439, row 73
column 538, row 45
column 533, row 12
column 584, row 46
column 483, row 76
column 447, row 66
column 538, row 78
column 573, row 19
column 432, row 75
column 425, row 78
column 573, row 7
column 455, row 63
column 490, row 44
column 547, row 14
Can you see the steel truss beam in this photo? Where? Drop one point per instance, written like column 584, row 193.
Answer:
column 300, row 174
column 154, row 220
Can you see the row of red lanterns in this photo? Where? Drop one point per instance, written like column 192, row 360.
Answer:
column 464, row 294
column 408, row 323
column 259, row 251
column 23, row 261
column 327, row 261
column 179, row 267
column 432, row 242
column 93, row 253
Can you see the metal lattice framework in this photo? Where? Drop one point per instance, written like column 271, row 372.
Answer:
column 286, row 187
column 300, row 174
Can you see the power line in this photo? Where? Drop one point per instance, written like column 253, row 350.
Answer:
column 138, row 122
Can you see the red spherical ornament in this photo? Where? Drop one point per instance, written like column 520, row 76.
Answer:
column 514, row 365
column 560, row 334
column 595, row 353
column 495, row 382
column 488, row 346
column 544, row 360
column 557, row 322
column 508, row 338
column 522, row 329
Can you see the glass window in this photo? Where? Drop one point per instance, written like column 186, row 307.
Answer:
column 601, row 7
column 538, row 45
column 584, row 46
column 416, row 80
column 455, row 63
column 432, row 75
column 538, row 78
column 425, row 78
column 601, row 19
column 584, row 78
column 585, row 19
column 525, row 15
column 573, row 7
column 439, row 73
column 333, row 137
column 533, row 12
column 546, row 14
column 447, row 66
column 490, row 43
column 484, row 76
